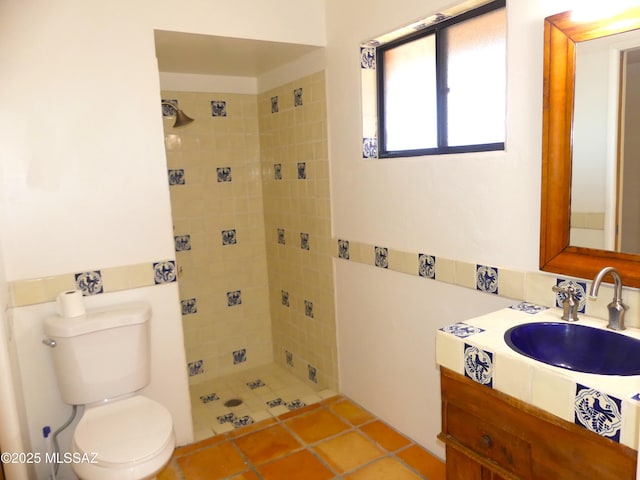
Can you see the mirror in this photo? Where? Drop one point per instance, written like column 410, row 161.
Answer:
column 604, row 179
column 557, row 254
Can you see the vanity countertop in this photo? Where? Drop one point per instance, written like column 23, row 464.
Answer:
column 605, row 404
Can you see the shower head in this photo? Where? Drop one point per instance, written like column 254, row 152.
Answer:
column 181, row 118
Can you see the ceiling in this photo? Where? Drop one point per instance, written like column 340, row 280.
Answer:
column 210, row 55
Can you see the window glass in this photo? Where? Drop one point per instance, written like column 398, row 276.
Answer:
column 442, row 88
column 476, row 72
column 410, row 95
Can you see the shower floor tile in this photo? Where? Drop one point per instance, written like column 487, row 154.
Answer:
column 227, row 403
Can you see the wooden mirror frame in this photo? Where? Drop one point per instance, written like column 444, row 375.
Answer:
column 556, row 255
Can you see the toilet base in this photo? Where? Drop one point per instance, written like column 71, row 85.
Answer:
column 141, row 471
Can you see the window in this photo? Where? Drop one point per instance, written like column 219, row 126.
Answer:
column 442, row 89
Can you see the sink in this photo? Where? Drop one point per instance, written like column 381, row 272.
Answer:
column 576, row 347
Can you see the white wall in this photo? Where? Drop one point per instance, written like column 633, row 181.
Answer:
column 481, row 207
column 386, row 342
column 82, row 166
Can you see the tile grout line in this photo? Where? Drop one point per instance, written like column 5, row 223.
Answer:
column 309, row 446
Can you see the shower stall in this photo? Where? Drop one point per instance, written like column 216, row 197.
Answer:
column 249, row 185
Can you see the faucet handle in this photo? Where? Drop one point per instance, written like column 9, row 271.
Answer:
column 568, row 290
column 570, row 301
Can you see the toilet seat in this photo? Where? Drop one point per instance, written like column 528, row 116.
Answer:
column 123, row 436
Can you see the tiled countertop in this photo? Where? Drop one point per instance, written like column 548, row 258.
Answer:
column 605, row 404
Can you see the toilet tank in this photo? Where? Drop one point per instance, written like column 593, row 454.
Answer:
column 101, row 354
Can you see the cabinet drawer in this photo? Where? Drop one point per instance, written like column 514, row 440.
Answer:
column 490, row 441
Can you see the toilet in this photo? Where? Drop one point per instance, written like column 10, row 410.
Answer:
column 102, row 360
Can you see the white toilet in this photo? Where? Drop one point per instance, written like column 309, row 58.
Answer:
column 101, row 360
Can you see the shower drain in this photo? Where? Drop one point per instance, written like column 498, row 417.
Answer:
column 232, row 402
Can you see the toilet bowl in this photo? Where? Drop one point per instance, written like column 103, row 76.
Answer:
column 129, row 439
column 102, row 361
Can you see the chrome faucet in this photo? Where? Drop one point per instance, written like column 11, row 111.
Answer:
column 616, row 307
column 570, row 302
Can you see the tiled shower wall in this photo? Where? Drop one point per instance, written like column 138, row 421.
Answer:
column 295, row 168
column 216, row 200
column 252, row 172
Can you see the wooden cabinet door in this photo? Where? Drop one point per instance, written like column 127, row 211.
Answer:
column 461, row 467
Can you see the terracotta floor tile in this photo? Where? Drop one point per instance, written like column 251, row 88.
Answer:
column 427, row 464
column 348, row 451
column 352, row 412
column 217, row 461
column 385, row 436
column 246, row 476
column 316, row 425
column 180, row 451
column 267, row 444
column 387, row 468
column 299, row 465
column 170, row 472
column 330, row 400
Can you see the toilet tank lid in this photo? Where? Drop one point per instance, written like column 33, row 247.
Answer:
column 96, row 320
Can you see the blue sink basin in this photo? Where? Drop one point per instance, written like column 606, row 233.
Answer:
column 576, row 347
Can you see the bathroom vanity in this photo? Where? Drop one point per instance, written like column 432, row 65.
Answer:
column 492, row 436
column 507, row 416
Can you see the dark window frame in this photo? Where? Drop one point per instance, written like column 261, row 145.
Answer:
column 441, row 72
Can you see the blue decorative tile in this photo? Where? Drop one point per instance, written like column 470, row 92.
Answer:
column 242, row 421
column 369, row 148
column 212, row 397
column 218, row 108
column 308, row 308
column 189, row 306
column 281, row 239
column 487, row 279
column 257, row 383
column 196, row 368
column 289, row 358
column 462, row 330
column 284, row 298
column 296, row 404
column 182, row 242
column 176, row 177
column 277, row 171
column 234, row 298
column 297, row 97
column 239, row 356
column 229, row 237
column 426, row 266
column 304, row 241
column 167, row 111
column 530, row 308
column 164, row 272
column 598, row 412
column 367, row 58
column 275, row 402
column 343, row 249
column 580, row 289
column 382, row 257
column 478, row 365
column 302, row 170
column 274, row 104
column 313, row 373
column 226, row 418
column 90, row 283
column 224, row 174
